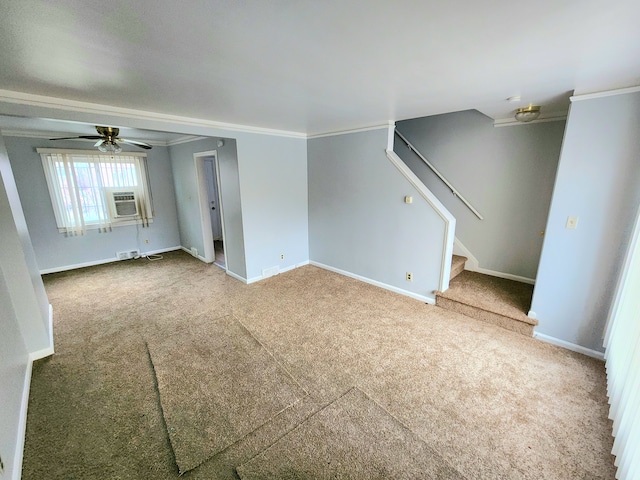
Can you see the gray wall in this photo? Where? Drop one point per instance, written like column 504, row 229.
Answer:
column 599, row 181
column 271, row 218
column 358, row 221
column 24, row 326
column 184, row 176
column 506, row 173
column 273, row 186
column 54, row 250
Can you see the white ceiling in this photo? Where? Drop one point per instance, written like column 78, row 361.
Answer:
column 319, row 66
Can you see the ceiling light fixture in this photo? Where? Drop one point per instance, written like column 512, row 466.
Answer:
column 109, row 146
column 528, row 114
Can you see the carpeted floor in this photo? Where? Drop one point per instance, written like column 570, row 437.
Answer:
column 490, row 403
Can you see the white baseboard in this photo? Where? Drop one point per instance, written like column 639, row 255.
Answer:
column 569, row 346
column 48, row 350
column 508, row 276
column 473, row 265
column 422, row 298
column 262, row 277
column 22, row 423
column 236, row 276
column 103, row 261
column 185, row 249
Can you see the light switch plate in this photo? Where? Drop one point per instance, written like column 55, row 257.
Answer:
column 572, row 223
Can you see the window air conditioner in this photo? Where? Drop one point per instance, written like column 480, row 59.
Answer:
column 124, row 204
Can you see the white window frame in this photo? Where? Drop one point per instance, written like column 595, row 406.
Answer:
column 107, row 219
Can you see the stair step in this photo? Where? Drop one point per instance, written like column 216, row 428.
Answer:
column 490, row 299
column 457, row 266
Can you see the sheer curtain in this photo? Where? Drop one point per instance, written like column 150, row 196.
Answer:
column 622, row 355
column 81, row 182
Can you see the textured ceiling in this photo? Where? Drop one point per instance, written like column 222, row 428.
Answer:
column 318, row 66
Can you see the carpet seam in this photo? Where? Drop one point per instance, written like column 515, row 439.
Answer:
column 159, row 402
column 207, row 459
column 308, row 417
column 402, row 424
column 273, row 357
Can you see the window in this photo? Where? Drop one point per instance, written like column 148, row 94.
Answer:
column 90, row 190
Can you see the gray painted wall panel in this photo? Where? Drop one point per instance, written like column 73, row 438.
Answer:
column 599, row 181
column 506, row 173
column 358, row 221
column 189, row 221
column 53, row 249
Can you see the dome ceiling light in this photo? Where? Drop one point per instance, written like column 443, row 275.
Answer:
column 528, row 114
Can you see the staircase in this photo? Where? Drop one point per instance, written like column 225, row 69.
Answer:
column 489, row 299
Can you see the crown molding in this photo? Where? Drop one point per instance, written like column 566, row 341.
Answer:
column 46, row 135
column 42, row 101
column 353, row 130
column 605, row 93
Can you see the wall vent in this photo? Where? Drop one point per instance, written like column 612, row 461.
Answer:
column 128, row 254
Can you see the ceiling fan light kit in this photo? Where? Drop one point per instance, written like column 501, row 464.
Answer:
column 527, row 114
column 108, row 140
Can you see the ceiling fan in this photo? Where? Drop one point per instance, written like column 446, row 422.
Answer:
column 107, row 140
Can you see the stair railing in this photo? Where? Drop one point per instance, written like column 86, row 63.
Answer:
column 455, row 192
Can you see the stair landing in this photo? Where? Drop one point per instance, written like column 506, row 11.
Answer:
column 490, row 299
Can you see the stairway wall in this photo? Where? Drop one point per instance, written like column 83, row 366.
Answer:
column 358, row 221
column 506, row 173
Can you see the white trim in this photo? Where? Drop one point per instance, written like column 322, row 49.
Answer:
column 512, row 122
column 440, row 209
column 508, row 276
column 605, row 93
column 199, row 257
column 46, row 135
column 70, row 151
column 22, row 422
column 236, row 276
column 47, row 351
column 569, row 346
column 42, row 101
column 203, row 203
column 350, row 131
column 355, row 276
column 64, row 268
column 181, row 140
column 473, row 265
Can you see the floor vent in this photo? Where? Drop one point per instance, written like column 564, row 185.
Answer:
column 128, row 254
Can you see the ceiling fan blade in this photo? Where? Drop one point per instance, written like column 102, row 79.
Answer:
column 81, row 137
column 133, row 142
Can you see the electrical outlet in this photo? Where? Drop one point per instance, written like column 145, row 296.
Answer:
column 282, row 256
column 409, row 277
column 147, row 241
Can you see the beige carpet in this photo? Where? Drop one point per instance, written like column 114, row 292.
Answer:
column 494, row 300
column 352, row 438
column 493, row 404
column 216, row 384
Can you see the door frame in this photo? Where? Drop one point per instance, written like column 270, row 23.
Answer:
column 203, row 202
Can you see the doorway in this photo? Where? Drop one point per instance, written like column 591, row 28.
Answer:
column 208, row 173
